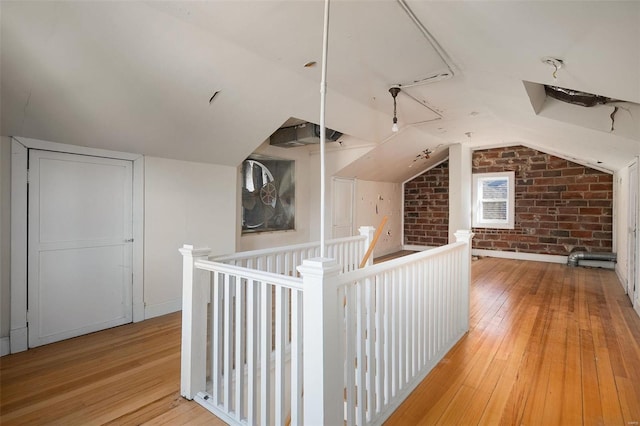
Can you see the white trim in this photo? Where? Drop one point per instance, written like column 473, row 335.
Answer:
column 551, row 258
column 5, row 346
column 19, row 339
column 164, row 308
column 138, row 240
column 621, row 279
column 433, row 166
column 75, row 149
column 18, row 322
column 478, row 222
column 20, row 146
column 403, row 205
column 414, row 247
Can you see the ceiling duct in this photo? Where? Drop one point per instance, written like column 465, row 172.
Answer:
column 300, row 135
column 576, row 97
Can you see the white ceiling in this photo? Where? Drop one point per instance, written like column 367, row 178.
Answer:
column 138, row 76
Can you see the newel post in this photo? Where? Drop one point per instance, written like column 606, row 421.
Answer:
column 323, row 352
column 196, row 293
column 368, row 232
column 465, row 236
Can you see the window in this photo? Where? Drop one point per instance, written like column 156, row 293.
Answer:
column 493, row 200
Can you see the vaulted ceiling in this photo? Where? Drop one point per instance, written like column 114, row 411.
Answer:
column 138, row 76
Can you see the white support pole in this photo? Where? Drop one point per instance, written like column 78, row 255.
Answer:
column 465, row 236
column 196, row 292
column 323, row 348
column 323, row 132
column 367, row 231
column 459, row 188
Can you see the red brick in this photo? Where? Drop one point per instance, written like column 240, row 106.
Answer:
column 592, row 211
column 582, row 234
column 599, row 187
column 573, row 171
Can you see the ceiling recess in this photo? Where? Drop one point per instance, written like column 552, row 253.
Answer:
column 576, row 97
column 301, row 134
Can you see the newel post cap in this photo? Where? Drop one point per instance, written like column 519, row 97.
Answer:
column 189, row 250
column 464, row 235
column 319, row 267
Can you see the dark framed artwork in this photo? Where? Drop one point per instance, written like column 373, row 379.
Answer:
column 268, row 195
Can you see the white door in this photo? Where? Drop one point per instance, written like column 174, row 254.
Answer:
column 633, row 234
column 79, row 245
column 342, row 218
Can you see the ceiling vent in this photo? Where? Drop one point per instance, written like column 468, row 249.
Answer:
column 300, row 135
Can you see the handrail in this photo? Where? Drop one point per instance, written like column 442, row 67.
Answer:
column 252, row 274
column 260, row 252
column 359, row 274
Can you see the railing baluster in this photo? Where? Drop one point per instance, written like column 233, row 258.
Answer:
column 252, row 330
column 420, row 301
column 360, row 355
column 379, row 338
column 239, row 346
column 296, row 357
column 227, row 346
column 350, row 357
column 279, row 393
column 217, row 303
column 370, row 341
column 388, row 359
column 395, row 327
column 265, row 354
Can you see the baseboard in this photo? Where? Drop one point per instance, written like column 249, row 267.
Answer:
column 622, row 280
column 159, row 309
column 550, row 258
column 413, row 247
column 389, row 251
column 5, row 346
column 19, row 339
column 138, row 312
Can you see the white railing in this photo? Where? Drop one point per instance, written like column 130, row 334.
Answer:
column 396, row 319
column 348, row 251
column 401, row 318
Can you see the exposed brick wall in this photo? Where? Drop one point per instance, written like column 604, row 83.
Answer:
column 560, row 205
column 426, row 208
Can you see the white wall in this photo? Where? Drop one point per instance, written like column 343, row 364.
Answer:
column 374, row 200
column 336, row 158
column 5, row 236
column 298, row 235
column 185, row 203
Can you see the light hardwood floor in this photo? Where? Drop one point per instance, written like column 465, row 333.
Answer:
column 548, row 345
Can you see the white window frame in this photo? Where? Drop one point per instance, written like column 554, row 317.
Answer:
column 477, row 220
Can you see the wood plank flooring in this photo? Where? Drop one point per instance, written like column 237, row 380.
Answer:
column 127, row 375
column 548, row 345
